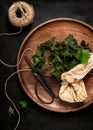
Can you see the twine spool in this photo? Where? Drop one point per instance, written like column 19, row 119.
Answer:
column 26, row 14
column 26, row 18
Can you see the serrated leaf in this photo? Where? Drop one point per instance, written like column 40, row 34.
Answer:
column 46, row 65
column 85, row 56
column 10, row 111
column 78, row 54
column 62, row 55
column 23, row 104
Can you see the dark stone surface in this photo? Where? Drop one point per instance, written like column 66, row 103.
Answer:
column 35, row 117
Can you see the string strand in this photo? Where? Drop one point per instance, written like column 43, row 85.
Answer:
column 21, row 9
column 11, row 66
column 11, row 34
column 24, row 22
column 6, row 82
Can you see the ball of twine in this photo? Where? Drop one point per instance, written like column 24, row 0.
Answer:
column 27, row 14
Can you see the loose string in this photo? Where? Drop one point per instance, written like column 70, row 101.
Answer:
column 11, row 66
column 28, row 20
column 6, row 82
column 21, row 9
column 11, row 34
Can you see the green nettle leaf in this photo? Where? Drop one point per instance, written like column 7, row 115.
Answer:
column 85, row 56
column 23, row 104
column 46, row 65
column 40, row 51
column 78, row 54
column 62, row 55
column 55, row 73
column 39, row 57
column 48, row 44
column 10, row 111
column 38, row 61
column 70, row 40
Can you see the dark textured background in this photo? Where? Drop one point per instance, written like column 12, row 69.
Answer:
column 35, row 117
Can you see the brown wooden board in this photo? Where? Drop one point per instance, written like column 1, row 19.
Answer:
column 60, row 28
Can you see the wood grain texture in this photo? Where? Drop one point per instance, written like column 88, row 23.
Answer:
column 60, row 28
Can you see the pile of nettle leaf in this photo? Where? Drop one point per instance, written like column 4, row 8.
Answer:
column 63, row 55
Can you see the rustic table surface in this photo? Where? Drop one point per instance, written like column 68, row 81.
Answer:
column 34, row 117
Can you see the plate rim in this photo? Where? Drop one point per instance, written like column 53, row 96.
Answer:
column 19, row 52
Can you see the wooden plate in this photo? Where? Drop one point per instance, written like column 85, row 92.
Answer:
column 60, row 28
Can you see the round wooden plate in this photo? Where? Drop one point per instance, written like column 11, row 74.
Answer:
column 60, row 28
